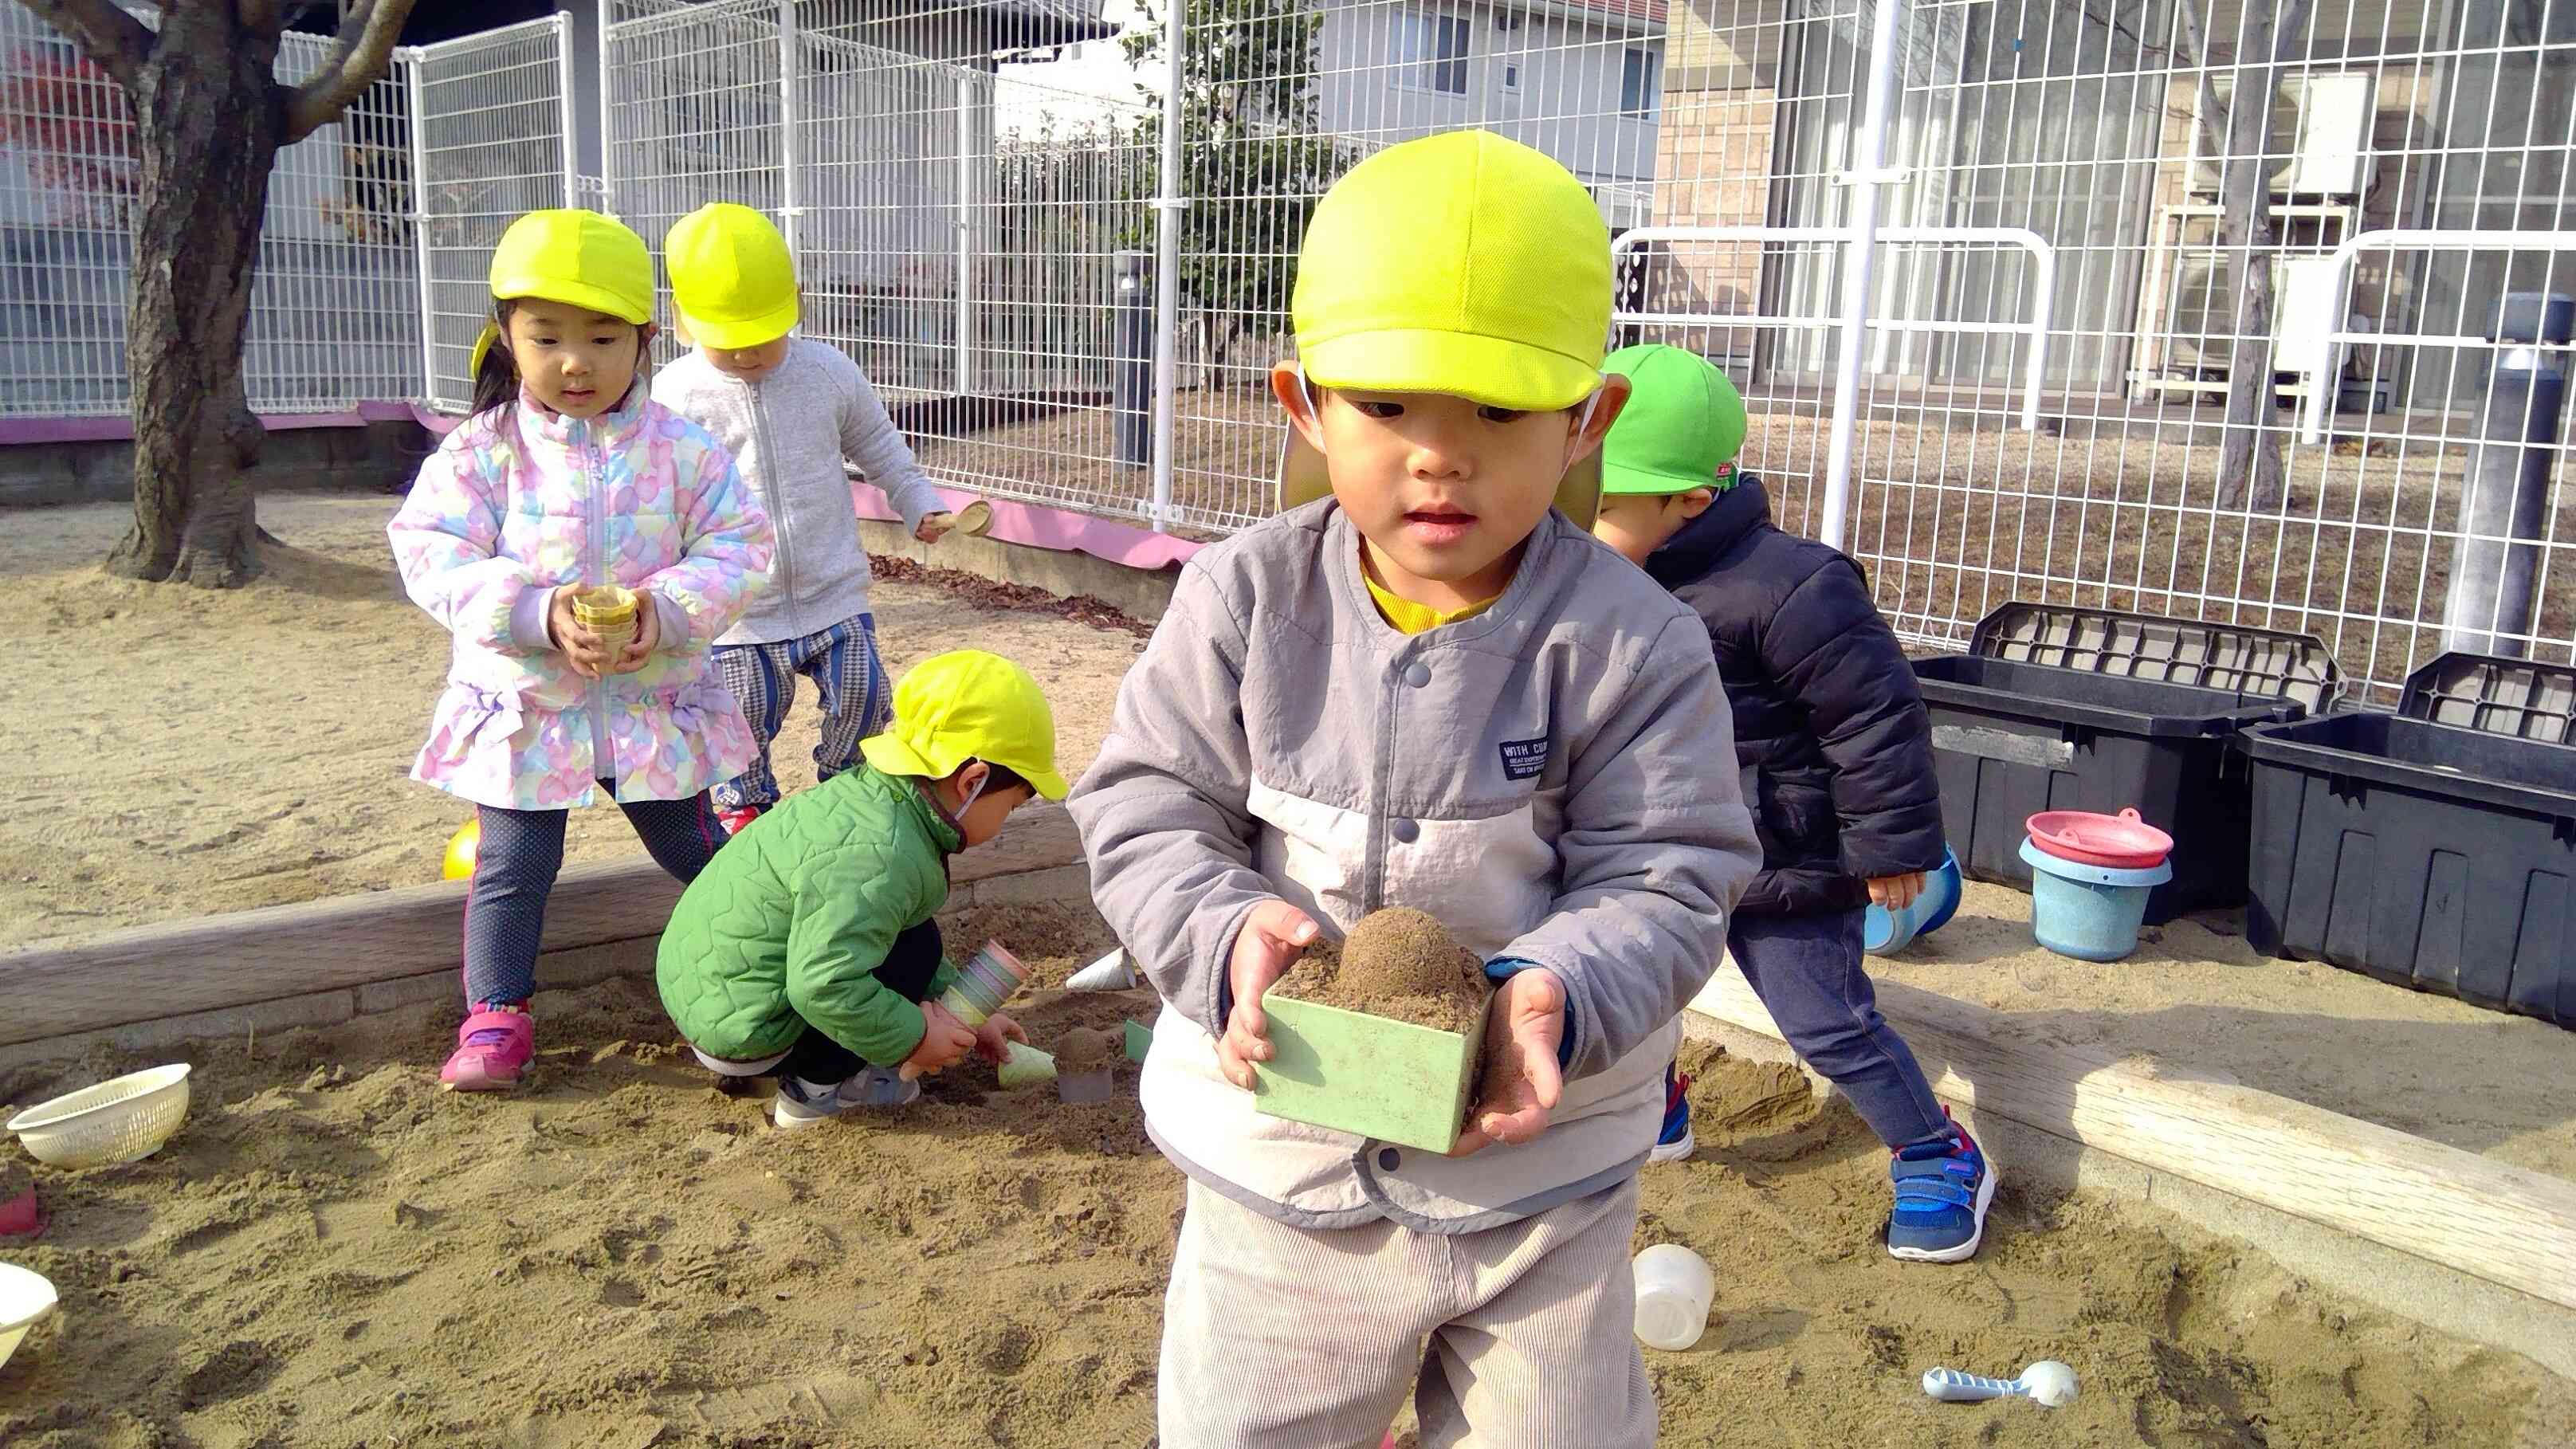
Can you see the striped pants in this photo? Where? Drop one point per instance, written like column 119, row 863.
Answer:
column 1523, row 1336
column 842, row 661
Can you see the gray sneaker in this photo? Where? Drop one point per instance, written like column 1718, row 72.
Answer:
column 874, row 1088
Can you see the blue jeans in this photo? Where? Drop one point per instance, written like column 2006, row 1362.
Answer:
column 1807, row 971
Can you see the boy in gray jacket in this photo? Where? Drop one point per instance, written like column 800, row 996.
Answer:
column 1427, row 689
column 790, row 410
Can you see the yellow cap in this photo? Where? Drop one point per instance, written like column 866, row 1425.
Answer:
column 969, row 705
column 579, row 258
column 731, row 276
column 1463, row 264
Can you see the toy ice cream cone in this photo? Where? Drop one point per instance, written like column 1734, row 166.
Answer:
column 1025, row 1066
column 1109, row 973
column 1083, row 1072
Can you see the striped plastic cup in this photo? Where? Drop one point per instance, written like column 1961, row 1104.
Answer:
column 988, row 979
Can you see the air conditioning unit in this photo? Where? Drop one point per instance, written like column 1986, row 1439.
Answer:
column 2320, row 135
column 2303, row 316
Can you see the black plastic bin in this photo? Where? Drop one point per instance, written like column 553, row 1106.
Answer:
column 2063, row 708
column 2435, row 847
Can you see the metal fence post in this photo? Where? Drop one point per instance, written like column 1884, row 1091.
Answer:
column 965, row 234
column 567, row 90
column 2494, row 571
column 1131, row 376
column 1168, row 206
column 607, row 137
column 410, row 61
column 790, row 202
column 1869, row 172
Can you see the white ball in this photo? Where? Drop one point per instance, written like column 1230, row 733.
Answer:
column 2050, row 1383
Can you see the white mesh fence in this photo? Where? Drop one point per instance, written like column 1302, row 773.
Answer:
column 333, row 316
column 2065, row 389
column 492, row 142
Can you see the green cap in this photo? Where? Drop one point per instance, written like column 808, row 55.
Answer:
column 1682, row 428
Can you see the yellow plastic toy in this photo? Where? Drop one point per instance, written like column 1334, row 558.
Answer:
column 460, row 851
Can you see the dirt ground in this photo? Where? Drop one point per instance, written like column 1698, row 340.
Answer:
column 333, row 1253
column 193, row 752
column 332, row 1249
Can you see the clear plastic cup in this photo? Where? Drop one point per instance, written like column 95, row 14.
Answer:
column 1674, row 1291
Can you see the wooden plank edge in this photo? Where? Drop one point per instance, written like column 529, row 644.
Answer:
column 342, row 943
column 2503, row 1224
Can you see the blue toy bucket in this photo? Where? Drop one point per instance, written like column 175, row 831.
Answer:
column 1884, row 932
column 2089, row 912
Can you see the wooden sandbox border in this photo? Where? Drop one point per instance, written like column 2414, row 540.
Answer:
column 2445, row 1237
column 323, row 962
column 2450, row 1239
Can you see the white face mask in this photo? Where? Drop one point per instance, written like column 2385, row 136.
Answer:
column 1582, row 425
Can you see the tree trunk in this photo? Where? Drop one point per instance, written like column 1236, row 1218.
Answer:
column 208, row 120
column 2250, row 472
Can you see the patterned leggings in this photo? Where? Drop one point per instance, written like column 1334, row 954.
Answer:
column 842, row 661
column 515, row 868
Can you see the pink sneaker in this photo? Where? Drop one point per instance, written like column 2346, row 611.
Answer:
column 492, row 1052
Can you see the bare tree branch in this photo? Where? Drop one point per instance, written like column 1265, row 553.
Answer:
column 358, row 56
column 117, row 42
column 2213, row 115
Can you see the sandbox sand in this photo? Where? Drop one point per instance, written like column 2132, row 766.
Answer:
column 184, row 752
column 1399, row 963
column 333, row 1253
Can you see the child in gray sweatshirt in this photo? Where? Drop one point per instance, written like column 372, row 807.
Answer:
column 790, row 410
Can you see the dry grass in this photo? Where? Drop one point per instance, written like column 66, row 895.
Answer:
column 1954, row 518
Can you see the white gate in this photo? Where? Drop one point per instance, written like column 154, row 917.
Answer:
column 491, row 140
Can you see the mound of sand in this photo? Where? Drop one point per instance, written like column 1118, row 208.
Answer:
column 1086, row 1049
column 1399, row 963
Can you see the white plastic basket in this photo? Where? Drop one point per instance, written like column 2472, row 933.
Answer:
column 124, row 1120
column 25, row 1299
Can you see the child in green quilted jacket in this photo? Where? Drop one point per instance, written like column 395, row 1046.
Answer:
column 807, row 950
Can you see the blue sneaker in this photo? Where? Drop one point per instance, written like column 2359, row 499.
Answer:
column 1675, row 1142
column 1942, row 1192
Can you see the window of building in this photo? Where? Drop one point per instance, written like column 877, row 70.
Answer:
column 1641, row 80
column 1431, row 51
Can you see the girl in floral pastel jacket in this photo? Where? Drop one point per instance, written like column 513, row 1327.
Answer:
column 568, row 475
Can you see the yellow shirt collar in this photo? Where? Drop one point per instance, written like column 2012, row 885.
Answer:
column 1408, row 617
